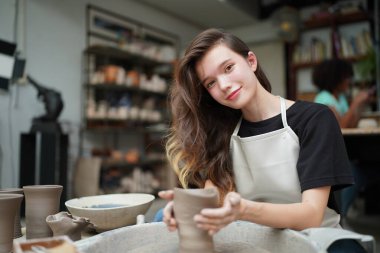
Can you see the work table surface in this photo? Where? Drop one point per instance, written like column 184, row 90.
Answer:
column 361, row 131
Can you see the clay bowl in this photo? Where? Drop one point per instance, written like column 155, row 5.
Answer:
column 110, row 211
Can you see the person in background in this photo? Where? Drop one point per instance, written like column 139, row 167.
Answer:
column 275, row 162
column 333, row 78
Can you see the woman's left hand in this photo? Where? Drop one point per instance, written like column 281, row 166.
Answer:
column 214, row 219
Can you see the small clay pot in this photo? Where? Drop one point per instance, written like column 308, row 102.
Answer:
column 63, row 223
column 40, row 202
column 17, row 224
column 9, row 207
column 187, row 203
column 110, row 73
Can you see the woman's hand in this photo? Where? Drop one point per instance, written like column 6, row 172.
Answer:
column 214, row 219
column 168, row 213
column 361, row 99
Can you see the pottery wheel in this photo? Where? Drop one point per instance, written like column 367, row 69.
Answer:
column 232, row 247
column 238, row 247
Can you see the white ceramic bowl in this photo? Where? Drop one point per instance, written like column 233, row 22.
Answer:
column 110, row 211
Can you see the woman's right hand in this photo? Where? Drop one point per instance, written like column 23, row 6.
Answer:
column 361, row 99
column 168, row 213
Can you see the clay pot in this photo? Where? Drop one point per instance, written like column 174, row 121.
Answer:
column 187, row 203
column 88, row 168
column 17, row 224
column 110, row 73
column 64, row 223
column 40, row 202
column 9, row 207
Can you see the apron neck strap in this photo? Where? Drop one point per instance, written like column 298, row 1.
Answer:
column 283, row 116
column 283, row 112
column 238, row 126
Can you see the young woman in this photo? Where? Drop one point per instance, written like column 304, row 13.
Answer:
column 274, row 161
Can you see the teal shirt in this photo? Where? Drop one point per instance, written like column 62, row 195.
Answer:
column 326, row 98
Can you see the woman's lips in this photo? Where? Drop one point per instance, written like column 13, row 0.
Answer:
column 233, row 94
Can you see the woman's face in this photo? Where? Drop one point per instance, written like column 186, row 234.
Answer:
column 227, row 76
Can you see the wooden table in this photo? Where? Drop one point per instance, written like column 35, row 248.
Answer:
column 361, row 131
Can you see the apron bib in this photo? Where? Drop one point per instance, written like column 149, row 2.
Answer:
column 265, row 167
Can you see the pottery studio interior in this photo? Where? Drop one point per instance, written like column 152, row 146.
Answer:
column 104, row 143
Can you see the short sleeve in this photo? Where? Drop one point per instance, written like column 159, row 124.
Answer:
column 325, row 98
column 323, row 159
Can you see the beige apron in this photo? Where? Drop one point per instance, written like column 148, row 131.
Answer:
column 265, row 167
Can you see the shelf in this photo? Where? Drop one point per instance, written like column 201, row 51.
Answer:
column 111, row 163
column 117, row 53
column 305, row 65
column 344, row 36
column 335, row 19
column 306, row 96
column 128, row 52
column 116, row 87
column 120, row 124
column 159, row 128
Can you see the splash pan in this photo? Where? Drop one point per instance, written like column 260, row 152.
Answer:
column 237, row 237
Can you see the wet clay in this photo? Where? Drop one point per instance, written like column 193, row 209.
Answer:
column 64, row 223
column 232, row 247
column 188, row 203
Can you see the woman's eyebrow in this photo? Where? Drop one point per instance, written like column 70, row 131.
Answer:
column 219, row 66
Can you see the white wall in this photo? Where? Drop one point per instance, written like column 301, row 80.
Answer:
column 256, row 33
column 271, row 57
column 7, row 16
column 54, row 41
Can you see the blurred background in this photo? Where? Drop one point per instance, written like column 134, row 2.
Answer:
column 84, row 83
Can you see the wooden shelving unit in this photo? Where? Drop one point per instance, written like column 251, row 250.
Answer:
column 305, row 54
column 115, row 109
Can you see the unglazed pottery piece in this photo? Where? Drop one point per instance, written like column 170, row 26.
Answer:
column 64, row 223
column 40, row 202
column 88, row 168
column 9, row 206
column 17, row 225
column 110, row 211
column 187, row 203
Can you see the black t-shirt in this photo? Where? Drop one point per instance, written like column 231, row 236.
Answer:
column 323, row 159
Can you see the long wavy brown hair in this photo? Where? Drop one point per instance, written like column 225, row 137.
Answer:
column 199, row 138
